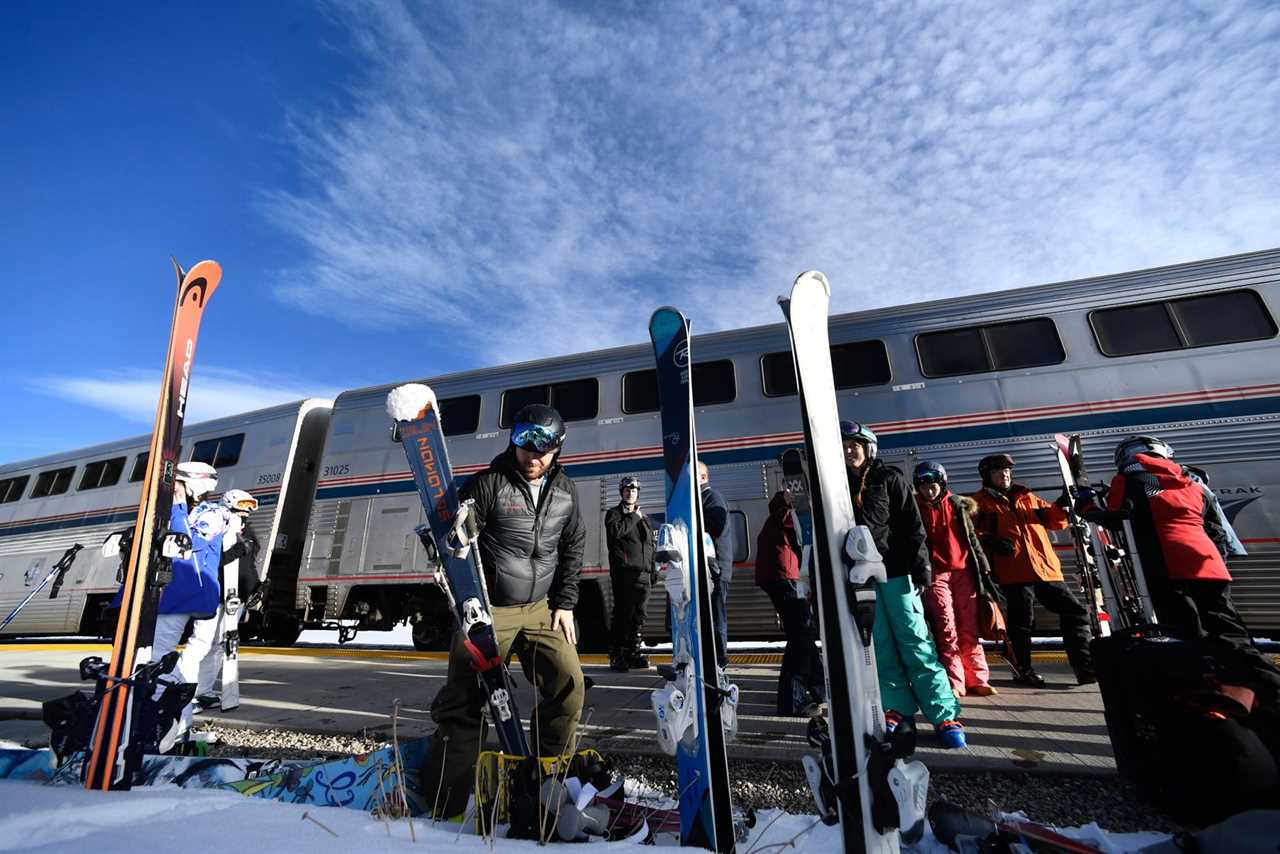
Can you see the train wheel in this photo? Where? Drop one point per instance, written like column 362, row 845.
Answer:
column 282, row 631
column 431, row 634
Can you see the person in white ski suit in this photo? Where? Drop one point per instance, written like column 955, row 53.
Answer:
column 231, row 516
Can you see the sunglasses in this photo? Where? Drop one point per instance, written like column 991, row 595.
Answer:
column 534, row 437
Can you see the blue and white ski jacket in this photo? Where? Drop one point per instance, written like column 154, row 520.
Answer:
column 196, row 585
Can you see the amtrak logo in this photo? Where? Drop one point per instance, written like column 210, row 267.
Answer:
column 1231, row 507
column 681, row 355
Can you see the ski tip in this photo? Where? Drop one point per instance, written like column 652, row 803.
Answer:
column 814, row 276
column 666, row 312
column 410, row 401
column 177, row 269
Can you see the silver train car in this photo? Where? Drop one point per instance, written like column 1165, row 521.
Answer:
column 1182, row 352
column 47, row 504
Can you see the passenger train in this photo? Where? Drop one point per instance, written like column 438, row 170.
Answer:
column 1187, row 352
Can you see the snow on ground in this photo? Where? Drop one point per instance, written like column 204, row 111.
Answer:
column 164, row 818
column 37, row 818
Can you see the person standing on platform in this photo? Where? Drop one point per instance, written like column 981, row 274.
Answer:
column 631, row 573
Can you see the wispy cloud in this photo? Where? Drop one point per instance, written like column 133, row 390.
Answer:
column 215, row 392
column 535, row 179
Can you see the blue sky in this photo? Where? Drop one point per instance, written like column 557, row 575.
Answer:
column 400, row 190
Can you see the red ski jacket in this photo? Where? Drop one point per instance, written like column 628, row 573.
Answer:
column 1167, row 510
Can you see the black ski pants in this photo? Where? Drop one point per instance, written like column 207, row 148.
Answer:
column 719, row 614
column 1057, row 598
column 630, row 594
column 800, row 659
column 1195, row 610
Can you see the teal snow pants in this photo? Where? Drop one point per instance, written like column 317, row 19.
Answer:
column 907, row 662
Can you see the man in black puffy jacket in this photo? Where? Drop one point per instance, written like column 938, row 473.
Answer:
column 631, row 571
column 531, row 542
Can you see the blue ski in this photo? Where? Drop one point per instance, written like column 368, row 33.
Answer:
column 696, row 704
column 450, row 533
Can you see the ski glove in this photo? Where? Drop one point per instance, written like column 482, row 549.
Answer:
column 1003, row 546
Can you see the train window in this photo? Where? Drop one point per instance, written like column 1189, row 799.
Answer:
column 1134, row 329
column 140, row 466
column 1223, row 318
column 53, row 482
column 11, row 489
column 640, row 392
column 860, row 363
column 998, row 347
column 460, row 414
column 1024, row 344
column 102, row 473
column 223, row 452
column 575, row 400
column 515, row 399
column 854, row 364
column 778, row 374
column 713, row 382
column 956, row 351
column 1199, row 321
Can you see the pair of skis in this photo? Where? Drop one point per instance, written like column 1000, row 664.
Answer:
column 1111, row 574
column 114, row 756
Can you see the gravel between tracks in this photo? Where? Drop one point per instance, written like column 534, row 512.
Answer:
column 1051, row 799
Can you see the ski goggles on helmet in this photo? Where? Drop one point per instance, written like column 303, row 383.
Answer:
column 930, row 476
column 628, row 483
column 535, row 437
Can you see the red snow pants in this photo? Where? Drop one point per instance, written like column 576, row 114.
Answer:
column 951, row 604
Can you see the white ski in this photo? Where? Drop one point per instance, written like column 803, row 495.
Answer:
column 231, row 629
column 861, row 781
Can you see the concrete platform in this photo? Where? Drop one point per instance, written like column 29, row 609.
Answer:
column 1059, row 729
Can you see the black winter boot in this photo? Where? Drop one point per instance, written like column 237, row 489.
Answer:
column 618, row 660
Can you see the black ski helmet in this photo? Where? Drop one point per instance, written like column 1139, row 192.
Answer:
column 928, row 471
column 628, row 482
column 537, row 427
column 993, row 461
column 1131, row 446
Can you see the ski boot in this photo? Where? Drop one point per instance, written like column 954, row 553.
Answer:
column 636, row 659
column 951, row 734
column 619, row 660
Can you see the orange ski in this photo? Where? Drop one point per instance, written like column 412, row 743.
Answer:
column 107, row 765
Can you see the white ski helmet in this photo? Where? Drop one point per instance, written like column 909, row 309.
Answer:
column 1129, row 448
column 200, row 478
column 239, row 501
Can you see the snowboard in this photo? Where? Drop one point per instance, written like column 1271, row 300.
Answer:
column 112, row 757
column 697, row 703
column 859, row 780
column 449, row 536
column 365, row 782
